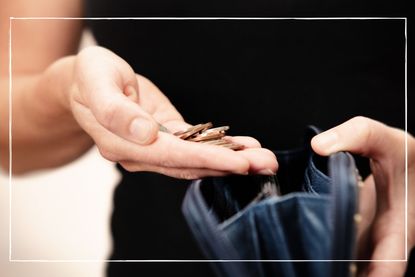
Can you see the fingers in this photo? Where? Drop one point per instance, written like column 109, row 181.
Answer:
column 390, row 247
column 120, row 110
column 388, row 268
column 176, row 125
column 389, row 236
column 359, row 135
column 248, row 142
column 261, row 161
column 181, row 153
column 389, row 265
column 166, row 151
column 152, row 100
column 101, row 80
column 170, row 155
column 181, row 173
column 125, row 119
column 367, row 209
column 196, row 155
column 131, row 93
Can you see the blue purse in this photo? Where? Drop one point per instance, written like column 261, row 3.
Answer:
column 298, row 223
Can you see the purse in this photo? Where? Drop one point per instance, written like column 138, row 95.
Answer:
column 300, row 222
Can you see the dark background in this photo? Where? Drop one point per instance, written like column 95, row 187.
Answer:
column 273, row 76
column 268, row 79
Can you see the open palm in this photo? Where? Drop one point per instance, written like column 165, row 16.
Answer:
column 121, row 111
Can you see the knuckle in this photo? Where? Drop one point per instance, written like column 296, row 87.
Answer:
column 108, row 155
column 129, row 166
column 85, row 55
column 90, row 50
column 362, row 127
column 360, row 120
column 108, row 114
column 167, row 158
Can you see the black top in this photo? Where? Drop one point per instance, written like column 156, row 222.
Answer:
column 264, row 78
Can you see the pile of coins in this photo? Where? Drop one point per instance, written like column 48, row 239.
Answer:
column 204, row 133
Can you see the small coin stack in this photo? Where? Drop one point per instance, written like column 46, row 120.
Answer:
column 204, row 133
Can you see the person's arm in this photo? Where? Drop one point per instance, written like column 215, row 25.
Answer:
column 64, row 102
column 44, row 134
column 381, row 233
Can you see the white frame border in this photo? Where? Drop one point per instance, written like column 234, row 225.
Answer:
column 200, row 18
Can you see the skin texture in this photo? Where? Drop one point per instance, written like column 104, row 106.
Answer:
column 381, row 233
column 44, row 134
column 64, row 102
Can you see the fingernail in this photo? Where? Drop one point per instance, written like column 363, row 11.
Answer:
column 140, row 129
column 266, row 172
column 326, row 140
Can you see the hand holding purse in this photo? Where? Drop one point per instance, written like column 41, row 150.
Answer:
column 301, row 225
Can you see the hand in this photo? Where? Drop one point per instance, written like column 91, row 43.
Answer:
column 121, row 111
column 381, row 234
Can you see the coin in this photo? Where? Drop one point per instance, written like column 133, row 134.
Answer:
column 204, row 133
column 207, row 136
column 194, row 130
column 218, row 129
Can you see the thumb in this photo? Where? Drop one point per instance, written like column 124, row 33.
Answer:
column 125, row 118
column 359, row 135
column 102, row 78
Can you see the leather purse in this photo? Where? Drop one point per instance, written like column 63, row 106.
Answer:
column 300, row 222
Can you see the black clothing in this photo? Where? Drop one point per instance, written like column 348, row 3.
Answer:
column 265, row 78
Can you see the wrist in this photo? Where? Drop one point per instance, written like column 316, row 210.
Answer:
column 58, row 81
column 47, row 95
